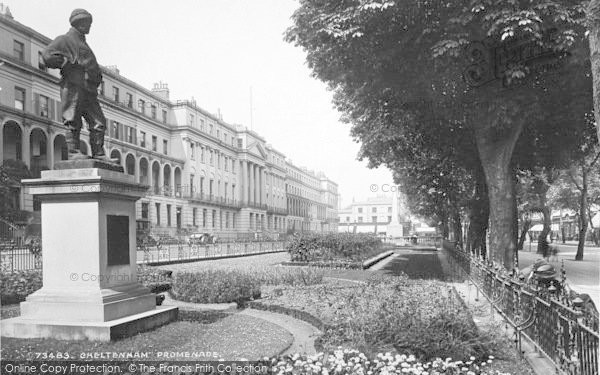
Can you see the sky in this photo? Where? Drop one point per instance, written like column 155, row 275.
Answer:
column 219, row 52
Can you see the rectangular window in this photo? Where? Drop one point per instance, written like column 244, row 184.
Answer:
column 373, row 209
column 214, row 218
column 19, row 50
column 202, row 154
column 154, row 143
column 164, row 116
column 225, row 189
column 19, row 98
column 194, row 216
column 168, row 215
column 202, row 124
column 201, row 185
column 44, row 106
column 233, row 163
column 41, row 64
column 144, row 210
column 115, row 130
column 389, row 219
column 226, row 219
column 210, row 188
column 142, row 139
column 192, row 184
column 153, row 111
column 129, row 100
column 374, row 219
column 240, row 143
column 116, row 94
column 192, row 150
column 233, row 220
column 211, row 129
column 360, row 210
column 226, row 163
column 130, row 133
column 191, row 121
column 165, row 146
column 389, row 209
column 157, row 214
column 232, row 191
column 204, row 217
column 218, row 135
column 360, row 219
column 142, row 106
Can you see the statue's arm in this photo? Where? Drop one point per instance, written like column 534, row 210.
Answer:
column 57, row 54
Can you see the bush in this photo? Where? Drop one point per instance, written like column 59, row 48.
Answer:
column 315, row 247
column 15, row 286
column 155, row 279
column 423, row 318
column 215, row 286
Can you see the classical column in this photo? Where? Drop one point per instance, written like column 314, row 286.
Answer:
column 263, row 176
column 257, row 183
column 251, row 183
column 50, row 152
column 161, row 179
column 244, row 183
column 26, row 153
column 172, row 183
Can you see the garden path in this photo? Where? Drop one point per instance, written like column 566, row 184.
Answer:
column 304, row 333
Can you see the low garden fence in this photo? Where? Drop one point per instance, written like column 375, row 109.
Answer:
column 183, row 252
column 560, row 325
column 19, row 258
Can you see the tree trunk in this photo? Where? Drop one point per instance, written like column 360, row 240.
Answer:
column 543, row 237
column 583, row 219
column 496, row 140
column 524, row 229
column 593, row 18
column 457, row 226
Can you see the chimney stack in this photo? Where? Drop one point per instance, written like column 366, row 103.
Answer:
column 161, row 89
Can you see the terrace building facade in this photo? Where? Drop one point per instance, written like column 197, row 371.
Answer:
column 204, row 174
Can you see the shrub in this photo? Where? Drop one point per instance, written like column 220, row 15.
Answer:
column 215, row 286
column 423, row 318
column 309, row 247
column 155, row 279
column 15, row 286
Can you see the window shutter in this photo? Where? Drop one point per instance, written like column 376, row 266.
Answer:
column 36, row 104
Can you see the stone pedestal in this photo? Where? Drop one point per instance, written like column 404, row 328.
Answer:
column 90, row 288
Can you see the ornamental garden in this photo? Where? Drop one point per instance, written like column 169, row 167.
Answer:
column 367, row 321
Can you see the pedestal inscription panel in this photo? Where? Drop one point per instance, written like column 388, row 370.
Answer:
column 117, row 233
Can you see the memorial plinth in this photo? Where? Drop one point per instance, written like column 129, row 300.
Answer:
column 90, row 288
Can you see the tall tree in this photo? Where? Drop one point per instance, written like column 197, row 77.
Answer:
column 593, row 20
column 378, row 56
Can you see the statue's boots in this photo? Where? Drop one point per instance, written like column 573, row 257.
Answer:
column 73, row 146
column 97, row 143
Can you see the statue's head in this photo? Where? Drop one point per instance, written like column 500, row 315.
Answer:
column 81, row 19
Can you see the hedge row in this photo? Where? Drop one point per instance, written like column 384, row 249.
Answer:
column 356, row 248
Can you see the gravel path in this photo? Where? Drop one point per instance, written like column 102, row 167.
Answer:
column 304, row 334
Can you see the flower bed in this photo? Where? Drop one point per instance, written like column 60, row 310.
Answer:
column 348, row 361
column 345, row 250
column 422, row 318
column 15, row 286
column 235, row 285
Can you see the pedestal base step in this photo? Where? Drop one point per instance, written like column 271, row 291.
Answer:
column 96, row 331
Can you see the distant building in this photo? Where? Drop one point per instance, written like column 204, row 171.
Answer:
column 372, row 215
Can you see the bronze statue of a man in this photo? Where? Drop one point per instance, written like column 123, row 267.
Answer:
column 81, row 76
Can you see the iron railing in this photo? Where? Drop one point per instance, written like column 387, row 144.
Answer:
column 182, row 252
column 19, row 258
column 557, row 322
